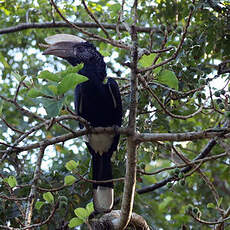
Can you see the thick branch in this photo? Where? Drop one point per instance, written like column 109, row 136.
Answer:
column 144, row 137
column 130, row 177
column 29, row 210
column 189, row 136
column 61, row 24
column 110, row 221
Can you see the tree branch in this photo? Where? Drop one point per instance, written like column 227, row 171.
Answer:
column 95, row 19
column 130, row 177
column 154, row 66
column 143, row 137
column 145, row 85
column 32, row 195
column 62, row 24
column 207, row 149
column 119, row 44
column 191, row 163
column 189, row 136
column 110, row 221
column 162, row 183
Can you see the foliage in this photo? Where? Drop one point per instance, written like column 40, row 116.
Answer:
column 35, row 89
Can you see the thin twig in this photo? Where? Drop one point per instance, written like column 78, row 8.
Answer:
column 119, row 19
column 177, row 50
column 191, row 163
column 20, row 207
column 97, row 181
column 92, row 35
column 95, row 19
column 209, row 222
column 11, row 127
column 145, row 85
column 13, row 198
column 17, row 91
column 207, row 149
column 181, row 93
column 43, row 222
column 223, row 218
column 205, row 178
column 22, row 110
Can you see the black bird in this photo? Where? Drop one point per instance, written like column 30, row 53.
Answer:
column 99, row 102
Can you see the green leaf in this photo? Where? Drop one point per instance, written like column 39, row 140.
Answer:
column 47, row 75
column 51, row 106
column 105, row 53
column 45, row 89
column 165, row 203
column 34, row 93
column 53, row 88
column 71, row 165
column 74, row 222
column 90, row 208
column 23, row 78
column 147, row 60
column 1, row 108
column 70, row 81
column 17, row 76
column 211, row 205
column 12, row 181
column 4, row 61
column 105, row 49
column 82, row 213
column 48, row 196
column 63, row 198
column 39, row 204
column 71, row 69
column 168, row 78
column 69, row 180
column 220, row 201
column 115, row 7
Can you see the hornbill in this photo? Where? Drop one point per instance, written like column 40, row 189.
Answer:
column 99, row 102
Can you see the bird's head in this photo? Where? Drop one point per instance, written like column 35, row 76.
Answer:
column 71, row 48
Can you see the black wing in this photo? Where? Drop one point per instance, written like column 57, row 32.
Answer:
column 78, row 102
column 115, row 93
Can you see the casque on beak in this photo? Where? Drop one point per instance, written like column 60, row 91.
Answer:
column 61, row 45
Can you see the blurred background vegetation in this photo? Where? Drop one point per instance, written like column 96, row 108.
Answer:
column 194, row 70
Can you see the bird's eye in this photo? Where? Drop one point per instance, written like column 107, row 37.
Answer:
column 79, row 49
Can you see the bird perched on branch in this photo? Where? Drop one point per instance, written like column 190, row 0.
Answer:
column 99, row 102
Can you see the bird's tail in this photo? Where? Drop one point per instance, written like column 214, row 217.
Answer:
column 102, row 192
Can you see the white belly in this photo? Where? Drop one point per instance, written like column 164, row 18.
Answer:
column 101, row 143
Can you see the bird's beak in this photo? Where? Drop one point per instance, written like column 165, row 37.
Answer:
column 61, row 49
column 61, row 45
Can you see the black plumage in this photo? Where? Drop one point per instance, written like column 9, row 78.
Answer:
column 99, row 102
